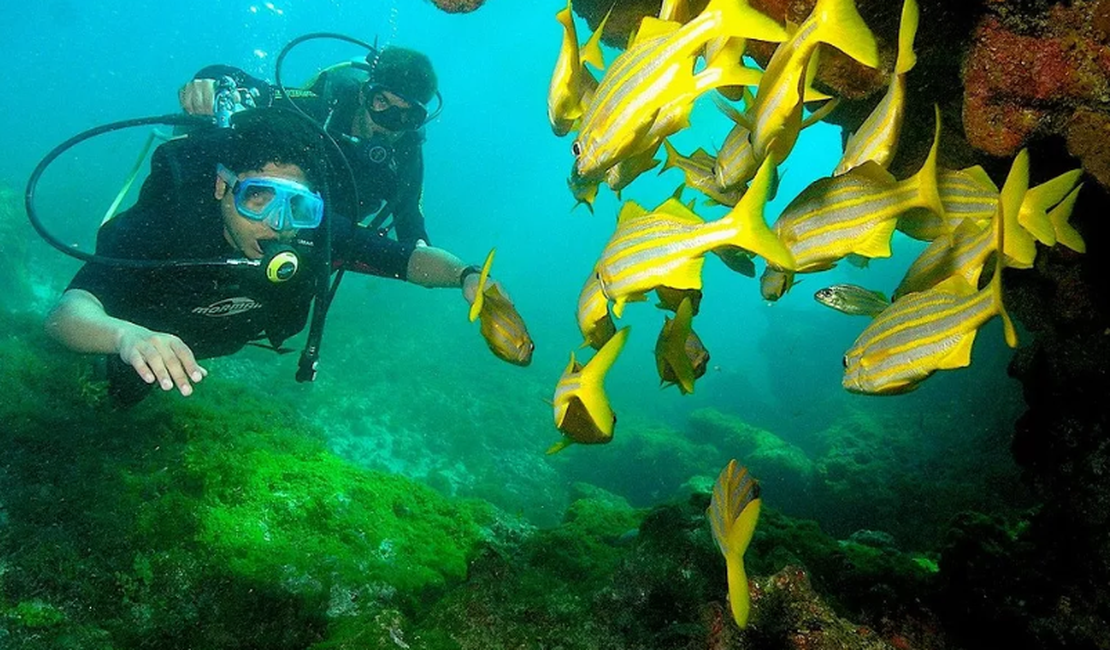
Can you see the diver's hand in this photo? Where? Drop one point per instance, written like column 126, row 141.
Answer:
column 198, row 97
column 160, row 357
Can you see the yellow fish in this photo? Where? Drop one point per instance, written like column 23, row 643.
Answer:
column 971, row 194
column 733, row 514
column 584, row 192
column 666, row 247
column 655, row 77
column 877, row 138
column 855, row 212
column 501, row 325
column 680, row 356
column 594, row 321
column 776, row 116
column 697, row 171
column 571, row 81
column 934, row 329
column 582, row 410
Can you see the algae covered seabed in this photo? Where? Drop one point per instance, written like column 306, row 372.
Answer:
column 413, row 506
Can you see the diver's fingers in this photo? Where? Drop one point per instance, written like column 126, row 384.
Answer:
column 137, row 361
column 169, row 347
column 198, row 96
column 188, row 361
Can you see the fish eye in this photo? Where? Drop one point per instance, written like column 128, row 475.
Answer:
column 576, row 149
column 844, row 360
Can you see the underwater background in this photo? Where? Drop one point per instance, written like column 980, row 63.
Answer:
column 404, row 499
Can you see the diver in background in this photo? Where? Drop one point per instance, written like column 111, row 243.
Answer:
column 215, row 194
column 377, row 118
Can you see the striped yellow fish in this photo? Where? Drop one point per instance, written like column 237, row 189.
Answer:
column 500, row 323
column 934, row 329
column 855, row 212
column 965, row 194
column 655, row 76
column 571, row 81
column 877, row 138
column 680, row 356
column 776, row 115
column 962, row 253
column 665, row 247
column 852, row 299
column 698, row 174
column 581, row 408
column 733, row 514
column 594, row 321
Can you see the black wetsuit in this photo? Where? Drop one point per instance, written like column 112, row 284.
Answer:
column 215, row 310
column 386, row 173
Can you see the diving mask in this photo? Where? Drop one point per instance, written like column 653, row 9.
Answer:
column 278, row 202
column 393, row 117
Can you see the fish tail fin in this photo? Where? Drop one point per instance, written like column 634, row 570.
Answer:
column 597, row 367
column 907, row 32
column 739, row 596
column 752, row 232
column 591, row 51
column 1059, row 216
column 1013, row 193
column 676, row 346
column 926, row 177
column 740, row 19
column 1040, row 199
column 842, row 27
column 479, row 294
column 672, row 158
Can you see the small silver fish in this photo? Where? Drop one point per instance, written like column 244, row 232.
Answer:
column 852, row 299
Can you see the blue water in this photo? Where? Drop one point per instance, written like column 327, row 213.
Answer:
column 495, row 177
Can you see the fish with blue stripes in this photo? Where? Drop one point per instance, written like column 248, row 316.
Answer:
column 776, row 116
column 733, row 514
column 854, row 213
column 654, row 79
column 581, row 407
column 499, row 322
column 877, row 138
column 571, row 83
column 666, row 246
column 935, row 329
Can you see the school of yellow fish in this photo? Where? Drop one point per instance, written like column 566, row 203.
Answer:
column 622, row 119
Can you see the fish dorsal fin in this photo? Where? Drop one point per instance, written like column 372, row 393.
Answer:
column 703, row 157
column 676, row 208
column 591, row 51
column 650, row 28
column 630, row 211
column 873, row 171
column 955, row 285
column 479, row 294
column 980, row 176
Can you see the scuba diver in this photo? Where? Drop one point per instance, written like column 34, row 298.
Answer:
column 255, row 195
column 376, row 110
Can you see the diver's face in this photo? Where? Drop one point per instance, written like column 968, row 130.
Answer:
column 243, row 233
column 379, row 102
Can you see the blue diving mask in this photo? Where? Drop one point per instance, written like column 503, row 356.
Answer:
column 280, row 203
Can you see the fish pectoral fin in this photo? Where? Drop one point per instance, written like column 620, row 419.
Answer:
column 877, row 243
column 559, row 446
column 960, row 355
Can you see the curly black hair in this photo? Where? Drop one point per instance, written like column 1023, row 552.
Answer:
column 275, row 135
column 406, row 72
